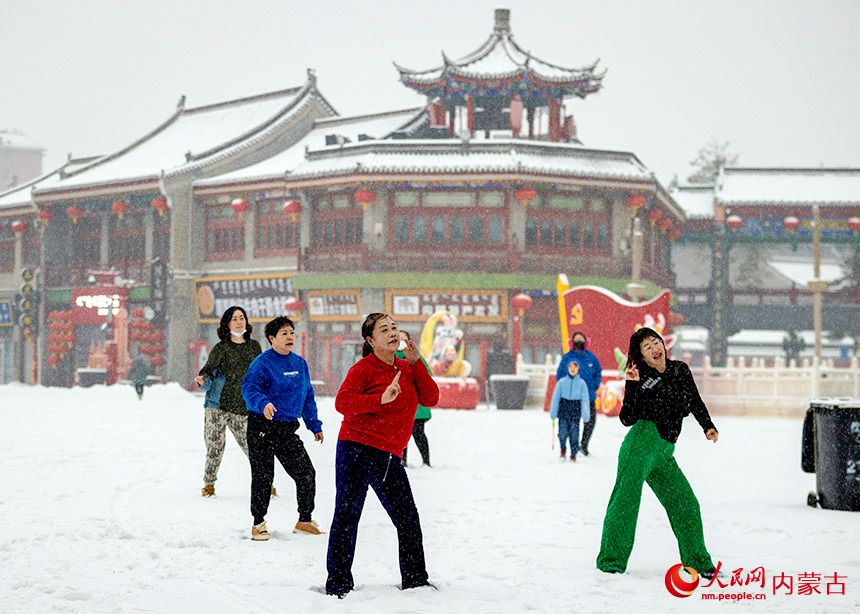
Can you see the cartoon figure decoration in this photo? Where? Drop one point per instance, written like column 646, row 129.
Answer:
column 442, row 346
column 658, row 324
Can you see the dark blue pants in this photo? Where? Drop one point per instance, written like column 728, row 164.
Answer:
column 357, row 467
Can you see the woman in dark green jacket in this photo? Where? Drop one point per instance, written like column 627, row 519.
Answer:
column 422, row 414
column 231, row 356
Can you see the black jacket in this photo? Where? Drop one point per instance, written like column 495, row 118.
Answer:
column 664, row 399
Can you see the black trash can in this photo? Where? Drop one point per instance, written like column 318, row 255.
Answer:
column 91, row 377
column 509, row 391
column 831, row 449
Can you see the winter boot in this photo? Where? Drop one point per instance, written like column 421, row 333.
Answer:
column 308, row 528
column 259, row 532
column 274, row 492
column 563, row 453
column 208, row 490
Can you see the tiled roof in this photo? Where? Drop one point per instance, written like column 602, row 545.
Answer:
column 22, row 195
column 697, row 201
column 345, row 129
column 191, row 138
column 789, row 186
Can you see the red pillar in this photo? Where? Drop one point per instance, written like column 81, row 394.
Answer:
column 553, row 120
column 470, row 114
column 516, row 337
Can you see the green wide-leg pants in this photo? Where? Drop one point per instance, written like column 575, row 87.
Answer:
column 647, row 457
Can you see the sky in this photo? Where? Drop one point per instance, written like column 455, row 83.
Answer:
column 777, row 79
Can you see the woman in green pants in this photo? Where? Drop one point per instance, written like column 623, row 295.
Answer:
column 658, row 394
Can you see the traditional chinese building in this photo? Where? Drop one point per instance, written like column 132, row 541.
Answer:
column 478, row 194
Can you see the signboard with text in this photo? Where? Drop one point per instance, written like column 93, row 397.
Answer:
column 5, row 312
column 91, row 305
column 467, row 305
column 334, row 305
column 261, row 296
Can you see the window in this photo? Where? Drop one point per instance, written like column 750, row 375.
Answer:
column 86, row 239
column 277, row 233
column 569, row 222
column 447, row 218
column 127, row 238
column 337, row 221
column 225, row 233
column 7, row 255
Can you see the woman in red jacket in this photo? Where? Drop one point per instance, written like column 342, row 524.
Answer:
column 378, row 400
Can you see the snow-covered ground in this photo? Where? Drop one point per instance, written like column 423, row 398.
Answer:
column 100, row 511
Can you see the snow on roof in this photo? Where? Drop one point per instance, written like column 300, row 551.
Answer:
column 451, row 155
column 758, row 186
column 802, row 272
column 14, row 140
column 377, row 126
column 22, row 195
column 187, row 137
column 697, row 201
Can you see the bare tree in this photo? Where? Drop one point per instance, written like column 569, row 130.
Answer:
column 709, row 159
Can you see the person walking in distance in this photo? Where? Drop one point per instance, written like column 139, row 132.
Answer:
column 277, row 390
column 591, row 372
column 658, row 394
column 422, row 415
column 570, row 402
column 138, row 373
column 378, row 400
column 221, row 378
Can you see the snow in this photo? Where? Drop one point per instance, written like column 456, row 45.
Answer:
column 102, row 512
column 755, row 186
column 695, row 201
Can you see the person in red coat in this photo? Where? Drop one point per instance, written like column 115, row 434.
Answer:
column 378, row 399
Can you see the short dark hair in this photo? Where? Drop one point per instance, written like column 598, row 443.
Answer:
column 224, row 326
column 405, row 332
column 273, row 327
column 634, row 352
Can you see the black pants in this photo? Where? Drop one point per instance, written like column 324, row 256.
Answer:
column 588, row 429
column 357, row 467
column 420, row 441
column 138, row 388
column 270, row 439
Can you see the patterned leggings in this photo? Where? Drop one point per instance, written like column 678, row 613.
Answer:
column 215, row 436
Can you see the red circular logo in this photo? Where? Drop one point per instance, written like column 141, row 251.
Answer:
column 679, row 587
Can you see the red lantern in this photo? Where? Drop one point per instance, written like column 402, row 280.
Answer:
column 46, row 215
column 654, row 215
column 57, row 349
column 635, row 202
column 293, row 305
column 791, row 224
column 525, row 196
column 160, row 205
column 53, row 360
column 365, row 197
column 240, row 206
column 521, row 302
column 293, row 209
column 854, row 224
column 674, row 234
column 74, row 212
column 734, row 222
column 664, row 224
column 137, row 313
column 18, row 227
column 120, row 207
column 157, row 362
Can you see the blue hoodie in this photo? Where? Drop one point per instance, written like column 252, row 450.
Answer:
column 574, row 389
column 285, row 382
column 589, row 369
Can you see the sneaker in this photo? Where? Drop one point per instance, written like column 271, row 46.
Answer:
column 259, row 532
column 584, row 451
column 573, row 458
column 308, row 528
column 710, row 573
column 563, row 453
column 208, row 490
column 274, row 492
column 420, row 584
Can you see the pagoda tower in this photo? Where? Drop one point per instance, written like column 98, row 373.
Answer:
column 494, row 86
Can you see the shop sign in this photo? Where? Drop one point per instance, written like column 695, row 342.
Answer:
column 97, row 304
column 467, row 305
column 334, row 305
column 261, row 296
column 5, row 312
column 158, row 289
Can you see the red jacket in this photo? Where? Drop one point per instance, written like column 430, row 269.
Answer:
column 386, row 427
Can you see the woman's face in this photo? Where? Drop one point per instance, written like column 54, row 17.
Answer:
column 385, row 335
column 237, row 322
column 654, row 353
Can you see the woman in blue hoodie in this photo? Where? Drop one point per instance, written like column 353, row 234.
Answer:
column 570, row 401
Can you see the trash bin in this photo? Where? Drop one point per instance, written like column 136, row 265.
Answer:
column 509, row 391
column 831, row 449
column 91, row 377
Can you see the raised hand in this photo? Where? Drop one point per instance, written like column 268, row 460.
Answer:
column 411, row 353
column 392, row 391
column 632, row 373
